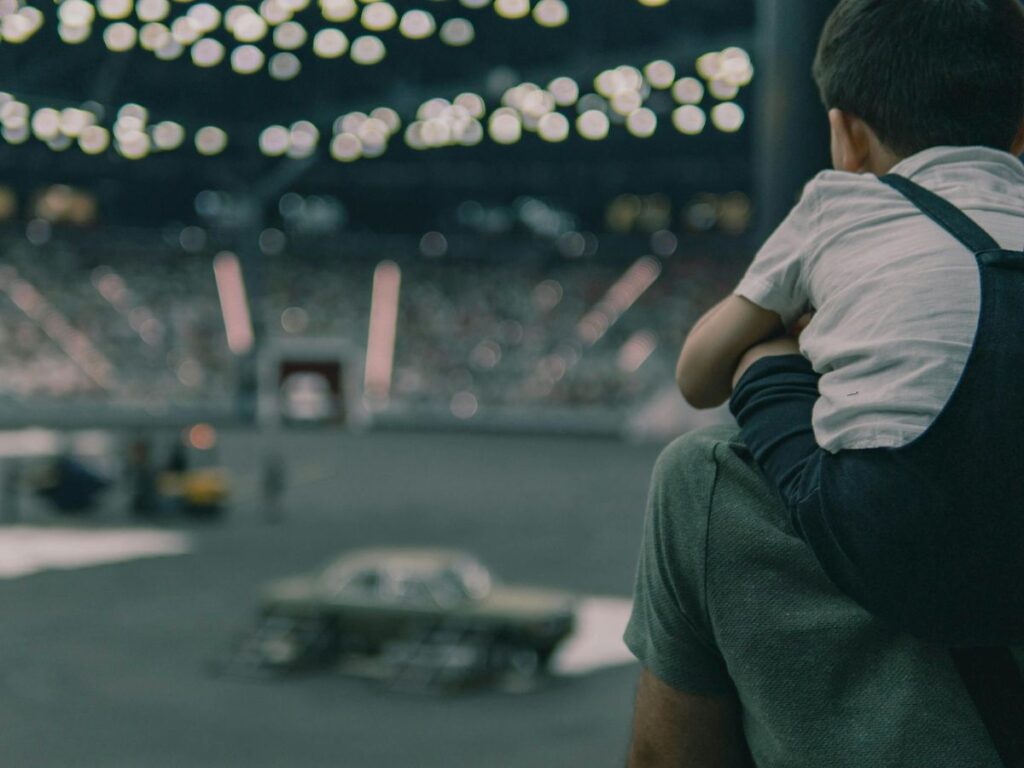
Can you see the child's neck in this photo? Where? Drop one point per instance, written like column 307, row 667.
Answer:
column 880, row 159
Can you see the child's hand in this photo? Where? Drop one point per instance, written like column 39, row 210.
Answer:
column 800, row 325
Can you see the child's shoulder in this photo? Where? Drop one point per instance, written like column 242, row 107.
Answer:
column 832, row 193
column 830, row 183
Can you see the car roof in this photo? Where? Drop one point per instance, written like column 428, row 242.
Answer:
column 404, row 558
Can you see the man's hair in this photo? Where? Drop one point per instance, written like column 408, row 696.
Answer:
column 927, row 73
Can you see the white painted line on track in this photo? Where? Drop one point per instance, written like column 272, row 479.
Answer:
column 26, row 549
column 597, row 641
column 28, row 443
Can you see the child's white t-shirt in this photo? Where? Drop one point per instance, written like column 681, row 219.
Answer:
column 896, row 297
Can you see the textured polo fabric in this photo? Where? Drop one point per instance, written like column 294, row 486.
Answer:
column 896, row 297
column 728, row 599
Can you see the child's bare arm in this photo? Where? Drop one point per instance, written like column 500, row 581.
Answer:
column 714, row 347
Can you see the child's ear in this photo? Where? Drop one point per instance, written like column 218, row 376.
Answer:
column 1018, row 143
column 847, row 145
column 851, row 143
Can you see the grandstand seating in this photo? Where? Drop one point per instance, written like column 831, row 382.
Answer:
column 505, row 333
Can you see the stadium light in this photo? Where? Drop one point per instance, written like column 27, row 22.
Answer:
column 379, row 16
column 368, row 50
column 211, row 140
column 380, row 343
column 623, row 92
column 623, row 294
column 551, row 13
column 417, row 25
column 234, row 303
column 727, row 117
column 457, row 32
column 636, row 351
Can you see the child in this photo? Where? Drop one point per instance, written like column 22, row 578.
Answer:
column 893, row 423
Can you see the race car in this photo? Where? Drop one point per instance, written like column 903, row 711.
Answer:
column 369, row 602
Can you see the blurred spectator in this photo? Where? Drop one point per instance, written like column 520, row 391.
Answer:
column 142, row 478
column 273, row 481
column 178, row 461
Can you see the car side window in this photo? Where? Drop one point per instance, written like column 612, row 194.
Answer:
column 363, row 585
column 410, row 589
column 448, row 588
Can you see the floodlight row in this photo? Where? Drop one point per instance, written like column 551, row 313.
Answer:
column 131, row 135
column 620, row 97
column 247, row 25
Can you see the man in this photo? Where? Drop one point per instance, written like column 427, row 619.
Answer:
column 747, row 645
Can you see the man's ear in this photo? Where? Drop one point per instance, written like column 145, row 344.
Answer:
column 851, row 141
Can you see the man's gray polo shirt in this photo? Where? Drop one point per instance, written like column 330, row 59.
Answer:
column 728, row 598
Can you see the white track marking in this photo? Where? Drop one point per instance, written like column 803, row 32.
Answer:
column 29, row 442
column 25, row 549
column 597, row 641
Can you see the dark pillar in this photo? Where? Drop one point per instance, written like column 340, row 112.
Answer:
column 792, row 142
column 247, row 239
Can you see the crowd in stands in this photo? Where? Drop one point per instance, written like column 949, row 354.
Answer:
column 135, row 320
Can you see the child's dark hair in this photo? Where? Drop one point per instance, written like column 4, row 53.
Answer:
column 927, row 73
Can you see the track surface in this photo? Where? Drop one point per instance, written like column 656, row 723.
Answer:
column 106, row 666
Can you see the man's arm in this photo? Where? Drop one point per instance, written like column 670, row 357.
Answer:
column 714, row 347
column 684, row 730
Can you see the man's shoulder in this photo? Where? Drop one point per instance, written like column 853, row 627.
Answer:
column 699, row 445
column 684, row 482
column 711, row 461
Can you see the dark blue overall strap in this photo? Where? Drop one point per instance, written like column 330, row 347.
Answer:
column 991, row 676
column 943, row 213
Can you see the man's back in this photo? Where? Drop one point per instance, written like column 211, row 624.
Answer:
column 729, row 599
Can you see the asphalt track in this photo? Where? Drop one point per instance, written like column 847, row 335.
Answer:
column 107, row 666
